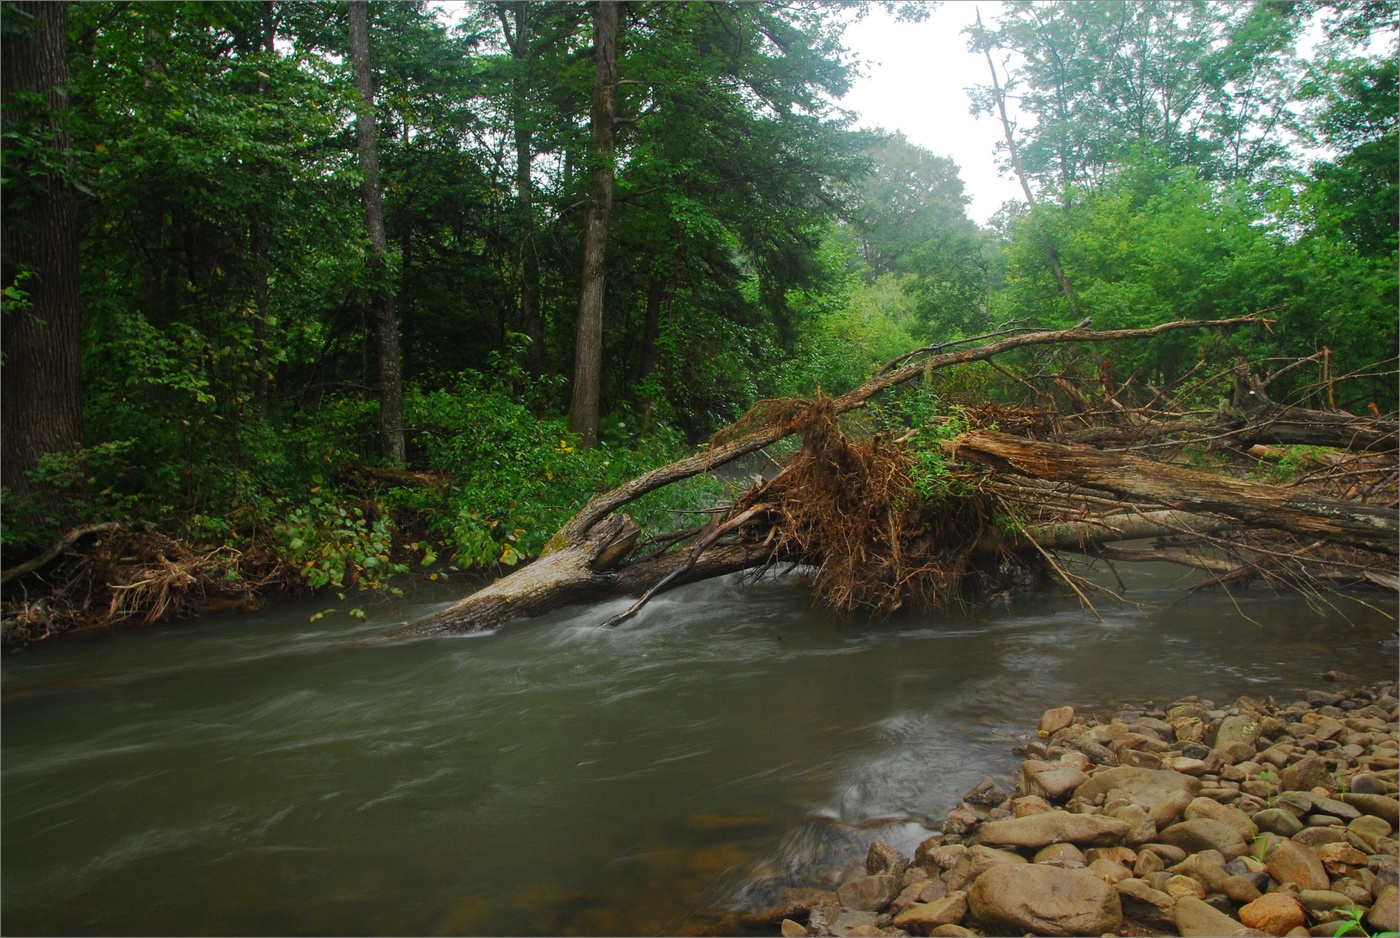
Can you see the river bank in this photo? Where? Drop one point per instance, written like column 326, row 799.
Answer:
column 1244, row 818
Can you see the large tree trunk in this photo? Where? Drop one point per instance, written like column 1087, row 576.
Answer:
column 588, row 356
column 41, row 398
column 385, row 320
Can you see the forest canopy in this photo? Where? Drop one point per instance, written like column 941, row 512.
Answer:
column 342, row 299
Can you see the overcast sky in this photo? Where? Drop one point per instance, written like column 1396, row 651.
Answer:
column 917, row 73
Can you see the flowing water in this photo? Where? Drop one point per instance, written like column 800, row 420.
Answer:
column 265, row 774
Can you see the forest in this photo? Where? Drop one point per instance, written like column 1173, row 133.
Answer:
column 310, row 296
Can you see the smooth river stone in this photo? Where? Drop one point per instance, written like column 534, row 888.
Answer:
column 1274, row 914
column 1045, row 900
column 1040, row 830
column 1291, row 862
column 1144, row 787
column 1204, row 834
column 1197, row 919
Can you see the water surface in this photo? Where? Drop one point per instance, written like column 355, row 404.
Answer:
column 265, row 774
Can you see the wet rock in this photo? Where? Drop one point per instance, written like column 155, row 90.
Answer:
column 1385, row 914
column 1385, row 807
column 1146, row 907
column 1052, row 721
column 1204, row 834
column 986, row 792
column 1045, row 900
column 1291, row 862
column 1143, row 787
column 869, row 893
column 1067, row 856
column 884, row 859
column 1278, row 821
column 1304, row 774
column 1213, row 810
column 922, row 918
column 975, row 862
column 1274, row 914
column 1048, row 780
column 1194, row 917
column 1038, row 830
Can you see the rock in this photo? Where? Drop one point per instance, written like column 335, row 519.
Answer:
column 1278, row 821
column 1145, row 906
column 1186, row 765
column 1196, row 918
column 1179, row 885
column 1049, row 781
column 1170, row 855
column 1204, row 834
column 1385, row 914
column 1147, row 862
column 1364, row 783
column 975, row 862
column 1206, row 868
column 1141, row 827
column 1067, row 856
column 986, row 792
column 1325, row 805
column 1144, row 787
column 1045, row 900
column 923, row 917
column 1215, row 811
column 1291, row 862
column 869, row 893
column 1274, row 914
column 961, row 820
column 1030, row 804
column 1305, row 773
column 1370, row 827
column 1321, row 900
column 1385, row 807
column 1038, row 830
column 1109, row 871
column 936, row 856
column 1239, row 889
column 951, row 931
column 849, row 920
column 1052, row 721
column 1170, row 809
column 791, row 929
column 884, row 859
column 1243, row 728
column 1337, row 858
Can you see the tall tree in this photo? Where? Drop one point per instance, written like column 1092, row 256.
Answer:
column 588, row 355
column 391, row 436
column 41, row 399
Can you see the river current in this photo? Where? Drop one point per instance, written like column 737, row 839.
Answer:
column 266, row 774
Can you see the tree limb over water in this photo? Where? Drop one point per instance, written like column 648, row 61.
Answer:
column 846, row 509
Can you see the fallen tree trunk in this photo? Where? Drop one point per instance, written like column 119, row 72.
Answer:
column 585, row 559
column 1263, row 506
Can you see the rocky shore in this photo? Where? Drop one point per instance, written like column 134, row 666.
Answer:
column 1244, row 818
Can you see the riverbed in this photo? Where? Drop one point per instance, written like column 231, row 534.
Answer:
column 272, row 774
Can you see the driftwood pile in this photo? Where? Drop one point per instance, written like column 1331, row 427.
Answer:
column 1078, row 466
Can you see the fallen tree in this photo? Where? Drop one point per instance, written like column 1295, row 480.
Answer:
column 845, row 508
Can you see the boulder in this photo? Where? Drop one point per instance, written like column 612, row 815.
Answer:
column 1242, row 728
column 1291, row 862
column 1052, row 721
column 1064, row 855
column 1385, row 807
column 869, row 893
column 1215, row 811
column 1308, row 772
column 1144, row 787
column 1274, row 914
column 1197, row 919
column 884, row 859
column 1045, row 900
column 1385, row 914
column 922, row 917
column 1205, row 834
column 976, row 861
column 1038, row 830
column 1049, row 781
column 1142, row 905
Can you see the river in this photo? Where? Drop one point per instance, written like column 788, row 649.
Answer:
column 265, row 774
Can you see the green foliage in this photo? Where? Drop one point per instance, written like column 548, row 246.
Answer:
column 336, row 545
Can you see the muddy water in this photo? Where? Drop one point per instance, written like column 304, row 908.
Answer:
column 265, row 775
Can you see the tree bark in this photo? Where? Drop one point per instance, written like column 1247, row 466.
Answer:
column 588, row 355
column 386, row 324
column 41, row 401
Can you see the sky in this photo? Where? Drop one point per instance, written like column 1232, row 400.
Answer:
column 916, row 76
